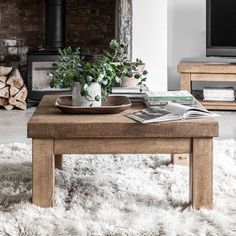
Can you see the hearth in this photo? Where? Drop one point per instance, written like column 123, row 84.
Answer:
column 40, row 63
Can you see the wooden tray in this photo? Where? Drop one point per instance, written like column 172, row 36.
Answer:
column 113, row 104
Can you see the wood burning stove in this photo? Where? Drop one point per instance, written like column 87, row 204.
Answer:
column 40, row 63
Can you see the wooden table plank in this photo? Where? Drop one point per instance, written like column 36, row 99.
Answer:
column 122, row 146
column 185, row 67
column 49, row 122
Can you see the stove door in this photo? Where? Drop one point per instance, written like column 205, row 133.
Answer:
column 38, row 74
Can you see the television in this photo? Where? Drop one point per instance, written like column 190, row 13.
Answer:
column 221, row 28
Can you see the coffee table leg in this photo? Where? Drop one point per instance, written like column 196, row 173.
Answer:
column 59, row 161
column 201, row 173
column 43, row 172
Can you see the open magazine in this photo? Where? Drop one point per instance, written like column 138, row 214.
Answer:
column 172, row 111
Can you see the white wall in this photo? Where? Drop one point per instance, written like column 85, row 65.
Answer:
column 150, row 39
column 186, row 34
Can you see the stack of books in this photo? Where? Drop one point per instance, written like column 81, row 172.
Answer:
column 160, row 98
column 135, row 94
column 225, row 94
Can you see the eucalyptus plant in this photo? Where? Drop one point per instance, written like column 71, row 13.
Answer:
column 68, row 66
column 71, row 68
column 109, row 69
column 116, row 52
column 107, row 75
column 124, row 67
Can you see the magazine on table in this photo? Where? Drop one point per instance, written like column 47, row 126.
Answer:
column 172, row 111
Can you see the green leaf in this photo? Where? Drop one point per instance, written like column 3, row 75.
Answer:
column 145, row 72
column 114, row 44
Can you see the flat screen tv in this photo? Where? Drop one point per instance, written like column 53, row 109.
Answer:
column 221, row 28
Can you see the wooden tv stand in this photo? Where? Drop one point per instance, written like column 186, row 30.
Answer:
column 211, row 72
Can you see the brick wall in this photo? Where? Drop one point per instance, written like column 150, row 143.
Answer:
column 90, row 24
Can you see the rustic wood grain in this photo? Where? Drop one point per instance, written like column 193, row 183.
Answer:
column 2, row 85
column 12, row 89
column 220, row 105
column 121, row 146
column 15, row 79
column 49, row 122
column 207, row 68
column 185, row 82
column 4, row 92
column 8, row 107
column 180, row 159
column 59, row 162
column 214, row 77
column 3, row 101
column 5, row 70
column 43, row 173
column 201, row 174
column 19, row 104
column 3, row 79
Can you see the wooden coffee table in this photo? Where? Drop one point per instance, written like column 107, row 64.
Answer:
column 54, row 134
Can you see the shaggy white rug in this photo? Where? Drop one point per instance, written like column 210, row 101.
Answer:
column 116, row 195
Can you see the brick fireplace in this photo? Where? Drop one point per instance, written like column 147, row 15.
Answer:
column 89, row 25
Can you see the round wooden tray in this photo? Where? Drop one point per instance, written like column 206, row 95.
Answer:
column 113, row 105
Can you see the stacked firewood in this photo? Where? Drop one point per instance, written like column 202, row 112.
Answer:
column 13, row 92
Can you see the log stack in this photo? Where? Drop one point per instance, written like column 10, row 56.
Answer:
column 13, row 92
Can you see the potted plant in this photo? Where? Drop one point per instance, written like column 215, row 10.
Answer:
column 91, row 82
column 81, row 77
column 130, row 73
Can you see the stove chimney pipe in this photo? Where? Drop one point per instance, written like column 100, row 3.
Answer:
column 55, row 24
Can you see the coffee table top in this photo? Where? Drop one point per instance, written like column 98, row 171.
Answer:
column 48, row 122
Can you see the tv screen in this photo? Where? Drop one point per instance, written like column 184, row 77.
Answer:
column 221, row 27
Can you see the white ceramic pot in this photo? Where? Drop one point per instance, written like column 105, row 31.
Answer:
column 94, row 90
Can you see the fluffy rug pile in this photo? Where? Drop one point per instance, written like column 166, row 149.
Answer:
column 116, row 195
